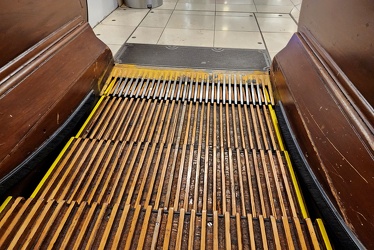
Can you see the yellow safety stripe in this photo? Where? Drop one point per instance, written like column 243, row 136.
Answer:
column 276, row 127
column 89, row 117
column 323, row 232
column 5, row 203
column 41, row 183
column 110, row 87
column 295, row 183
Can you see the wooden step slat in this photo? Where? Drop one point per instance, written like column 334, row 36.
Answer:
column 243, row 126
column 126, row 227
column 190, row 177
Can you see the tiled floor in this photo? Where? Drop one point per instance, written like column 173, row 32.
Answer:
column 248, row 24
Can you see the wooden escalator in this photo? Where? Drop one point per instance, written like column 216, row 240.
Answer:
column 170, row 159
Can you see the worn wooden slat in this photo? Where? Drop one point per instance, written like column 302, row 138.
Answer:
column 227, row 231
column 108, row 228
column 84, row 229
column 312, row 233
column 38, row 225
column 215, row 230
column 131, row 232
column 275, row 232
column 15, row 218
column 144, row 229
column 287, row 230
column 203, row 230
column 61, row 225
column 239, row 232
column 251, row 231
column 26, row 220
column 192, row 230
column 268, row 185
column 178, row 242
column 156, row 229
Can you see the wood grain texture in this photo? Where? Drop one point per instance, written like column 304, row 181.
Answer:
column 346, row 33
column 26, row 23
column 59, row 61
column 334, row 136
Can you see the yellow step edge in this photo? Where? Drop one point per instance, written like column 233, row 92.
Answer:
column 109, row 88
column 41, row 183
column 324, row 235
column 295, row 183
column 5, row 203
column 276, row 127
column 90, row 117
column 299, row 195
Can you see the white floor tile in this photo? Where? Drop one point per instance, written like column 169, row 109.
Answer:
column 274, row 8
column 234, row 2
column 236, row 14
column 185, row 37
column 192, row 23
column 195, row 6
column 273, row 2
column 114, row 48
column 155, row 20
column 296, row 2
column 280, row 15
column 196, row 22
column 270, row 24
column 158, row 11
column 236, row 7
column 272, row 54
column 145, row 35
column 167, row 6
column 127, row 17
column 295, row 13
column 276, row 41
column 236, row 39
column 234, row 23
column 194, row 12
column 113, row 34
column 198, row 1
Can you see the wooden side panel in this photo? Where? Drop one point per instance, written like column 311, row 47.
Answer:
column 50, row 60
column 324, row 77
column 27, row 22
column 345, row 29
column 335, row 147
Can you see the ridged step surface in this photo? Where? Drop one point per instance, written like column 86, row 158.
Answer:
column 161, row 175
column 174, row 160
column 38, row 224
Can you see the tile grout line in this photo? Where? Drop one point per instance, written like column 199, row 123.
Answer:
column 163, row 30
column 262, row 36
column 214, row 24
column 149, row 10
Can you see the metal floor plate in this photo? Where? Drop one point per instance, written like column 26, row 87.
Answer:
column 193, row 57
